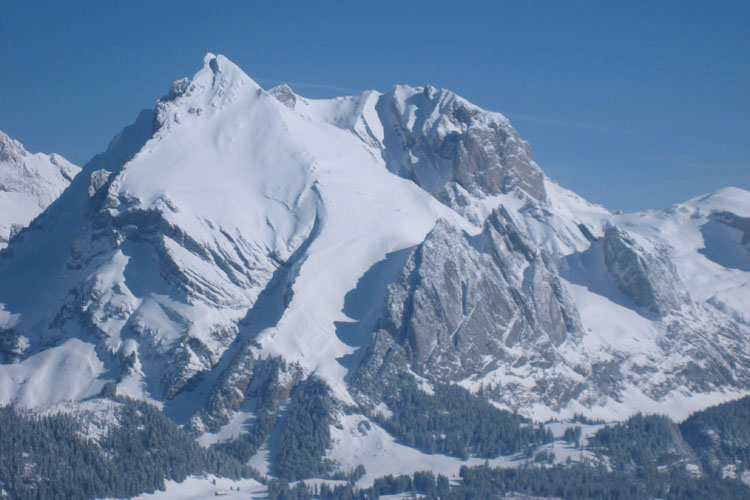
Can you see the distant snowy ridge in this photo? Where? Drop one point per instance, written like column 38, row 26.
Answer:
column 233, row 242
column 28, row 184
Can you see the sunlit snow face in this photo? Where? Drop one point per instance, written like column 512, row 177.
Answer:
column 306, row 218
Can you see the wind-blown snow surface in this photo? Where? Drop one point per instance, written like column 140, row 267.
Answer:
column 231, row 222
column 28, row 184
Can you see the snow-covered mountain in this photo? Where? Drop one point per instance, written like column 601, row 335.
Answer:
column 28, row 184
column 234, row 241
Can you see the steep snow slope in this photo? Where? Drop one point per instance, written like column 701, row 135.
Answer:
column 234, row 238
column 645, row 341
column 28, row 184
column 709, row 242
column 170, row 250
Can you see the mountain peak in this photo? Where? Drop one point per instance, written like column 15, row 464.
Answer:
column 219, row 73
column 10, row 149
column 210, row 56
column 285, row 95
column 28, row 184
column 218, row 82
column 217, row 63
column 728, row 199
column 223, row 230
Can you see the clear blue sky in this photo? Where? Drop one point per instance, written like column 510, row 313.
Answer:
column 632, row 104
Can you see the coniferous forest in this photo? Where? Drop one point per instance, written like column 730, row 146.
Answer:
column 48, row 456
column 44, row 457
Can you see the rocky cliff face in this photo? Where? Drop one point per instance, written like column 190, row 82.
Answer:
column 493, row 311
column 463, row 305
column 650, row 279
column 450, row 147
column 233, row 242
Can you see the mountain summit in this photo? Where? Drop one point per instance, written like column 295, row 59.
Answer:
column 28, row 184
column 234, row 244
